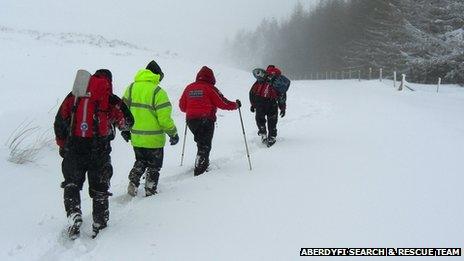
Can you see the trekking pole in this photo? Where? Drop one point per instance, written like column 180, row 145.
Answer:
column 244, row 137
column 183, row 145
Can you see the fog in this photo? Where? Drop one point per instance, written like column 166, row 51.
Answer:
column 188, row 27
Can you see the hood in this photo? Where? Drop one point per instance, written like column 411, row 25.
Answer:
column 105, row 74
column 206, row 75
column 104, row 78
column 146, row 75
column 271, row 69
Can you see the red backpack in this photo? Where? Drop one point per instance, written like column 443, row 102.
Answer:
column 91, row 114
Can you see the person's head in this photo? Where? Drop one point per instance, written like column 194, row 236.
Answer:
column 105, row 73
column 272, row 70
column 206, row 75
column 156, row 69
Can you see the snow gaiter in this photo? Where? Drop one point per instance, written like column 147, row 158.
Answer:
column 72, row 199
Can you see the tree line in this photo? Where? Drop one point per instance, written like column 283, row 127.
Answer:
column 422, row 38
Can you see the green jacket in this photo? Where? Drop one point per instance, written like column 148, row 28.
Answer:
column 151, row 109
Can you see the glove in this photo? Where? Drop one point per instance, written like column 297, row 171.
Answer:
column 63, row 152
column 174, row 140
column 282, row 113
column 239, row 103
column 126, row 135
column 252, row 109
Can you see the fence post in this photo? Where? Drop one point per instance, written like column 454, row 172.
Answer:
column 343, row 75
column 350, row 75
column 326, row 75
column 359, row 75
column 425, row 76
column 370, row 73
column 439, row 83
column 394, row 79
column 403, row 82
column 380, row 74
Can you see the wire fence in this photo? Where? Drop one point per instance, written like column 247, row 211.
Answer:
column 399, row 78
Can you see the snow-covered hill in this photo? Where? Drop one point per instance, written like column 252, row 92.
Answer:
column 357, row 164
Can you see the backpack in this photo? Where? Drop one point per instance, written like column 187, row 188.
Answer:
column 91, row 111
column 281, row 84
column 260, row 74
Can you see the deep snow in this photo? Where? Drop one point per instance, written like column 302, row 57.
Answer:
column 357, row 164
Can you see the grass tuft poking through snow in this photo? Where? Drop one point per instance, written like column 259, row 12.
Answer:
column 26, row 141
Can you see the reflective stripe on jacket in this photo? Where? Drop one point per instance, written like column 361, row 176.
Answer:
column 151, row 109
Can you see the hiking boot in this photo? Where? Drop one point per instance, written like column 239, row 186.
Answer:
column 151, row 182
column 271, row 141
column 150, row 187
column 132, row 189
column 198, row 171
column 263, row 137
column 201, row 165
column 75, row 222
column 96, row 228
column 150, row 191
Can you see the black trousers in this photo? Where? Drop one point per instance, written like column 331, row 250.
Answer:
column 149, row 160
column 92, row 158
column 267, row 112
column 203, row 132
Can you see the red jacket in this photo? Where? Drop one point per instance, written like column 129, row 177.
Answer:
column 201, row 98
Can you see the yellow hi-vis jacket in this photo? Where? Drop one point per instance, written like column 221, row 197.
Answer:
column 151, row 109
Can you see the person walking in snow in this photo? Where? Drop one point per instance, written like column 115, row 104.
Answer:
column 151, row 108
column 265, row 102
column 200, row 101
column 84, row 128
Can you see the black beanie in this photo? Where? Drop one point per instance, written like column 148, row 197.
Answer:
column 154, row 68
column 105, row 72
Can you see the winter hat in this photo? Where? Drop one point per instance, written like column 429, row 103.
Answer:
column 206, row 75
column 106, row 73
column 155, row 68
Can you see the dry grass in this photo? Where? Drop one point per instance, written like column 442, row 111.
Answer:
column 26, row 141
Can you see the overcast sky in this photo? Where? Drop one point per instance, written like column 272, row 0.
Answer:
column 178, row 25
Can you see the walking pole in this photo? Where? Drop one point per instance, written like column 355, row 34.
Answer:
column 244, row 137
column 183, row 145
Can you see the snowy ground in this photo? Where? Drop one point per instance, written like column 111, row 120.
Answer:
column 357, row 164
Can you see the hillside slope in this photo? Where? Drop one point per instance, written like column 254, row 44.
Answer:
column 355, row 165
